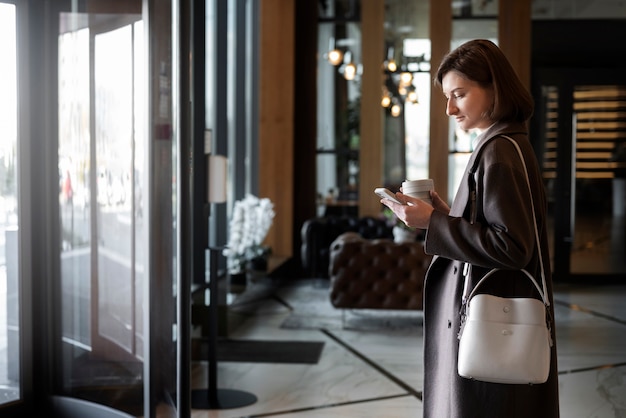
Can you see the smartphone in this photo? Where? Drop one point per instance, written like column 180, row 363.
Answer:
column 386, row 194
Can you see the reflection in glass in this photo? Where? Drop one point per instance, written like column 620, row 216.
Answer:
column 9, row 272
column 114, row 138
column 595, row 229
column 600, row 180
column 407, row 83
column 338, row 103
column 101, row 173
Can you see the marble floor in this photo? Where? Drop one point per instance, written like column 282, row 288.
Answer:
column 376, row 370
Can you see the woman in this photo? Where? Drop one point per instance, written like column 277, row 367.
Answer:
column 483, row 93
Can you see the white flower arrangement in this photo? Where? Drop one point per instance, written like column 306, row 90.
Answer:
column 251, row 220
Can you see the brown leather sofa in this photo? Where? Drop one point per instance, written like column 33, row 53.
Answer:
column 376, row 273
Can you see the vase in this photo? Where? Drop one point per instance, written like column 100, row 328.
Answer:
column 258, row 263
column 401, row 235
column 257, row 268
column 237, row 282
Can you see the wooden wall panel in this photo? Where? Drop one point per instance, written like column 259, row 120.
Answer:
column 371, row 128
column 276, row 116
column 514, row 35
column 440, row 35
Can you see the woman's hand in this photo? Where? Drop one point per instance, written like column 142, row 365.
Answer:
column 415, row 213
column 438, row 203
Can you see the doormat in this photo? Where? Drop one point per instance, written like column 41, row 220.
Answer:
column 262, row 351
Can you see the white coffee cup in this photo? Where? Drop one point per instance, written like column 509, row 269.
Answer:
column 419, row 189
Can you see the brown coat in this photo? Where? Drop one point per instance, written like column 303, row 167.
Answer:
column 503, row 237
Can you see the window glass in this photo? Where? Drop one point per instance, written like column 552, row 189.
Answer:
column 405, row 93
column 338, row 107
column 101, row 155
column 9, row 266
column 470, row 22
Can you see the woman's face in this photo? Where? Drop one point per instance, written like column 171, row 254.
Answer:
column 468, row 102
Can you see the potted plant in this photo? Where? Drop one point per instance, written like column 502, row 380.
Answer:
column 250, row 222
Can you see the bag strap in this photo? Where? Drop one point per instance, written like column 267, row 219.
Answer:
column 543, row 291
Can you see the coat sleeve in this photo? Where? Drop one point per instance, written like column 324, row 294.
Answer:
column 503, row 235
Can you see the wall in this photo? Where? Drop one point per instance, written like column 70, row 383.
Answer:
column 276, row 118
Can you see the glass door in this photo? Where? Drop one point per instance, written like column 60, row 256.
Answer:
column 101, row 149
column 116, row 208
column 10, row 341
column 582, row 125
column 110, row 206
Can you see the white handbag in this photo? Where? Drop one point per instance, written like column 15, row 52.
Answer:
column 506, row 340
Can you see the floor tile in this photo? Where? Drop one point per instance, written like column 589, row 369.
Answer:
column 599, row 393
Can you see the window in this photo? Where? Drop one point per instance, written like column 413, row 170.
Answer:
column 9, row 258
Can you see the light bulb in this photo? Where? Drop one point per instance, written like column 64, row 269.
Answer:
column 392, row 66
column 395, row 110
column 406, row 78
column 349, row 72
column 386, row 101
column 335, row 57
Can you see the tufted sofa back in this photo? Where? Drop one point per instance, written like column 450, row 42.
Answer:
column 376, row 274
column 318, row 233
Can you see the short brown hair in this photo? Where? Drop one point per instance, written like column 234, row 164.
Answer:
column 481, row 61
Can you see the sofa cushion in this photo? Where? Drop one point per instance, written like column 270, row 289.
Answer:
column 376, row 273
